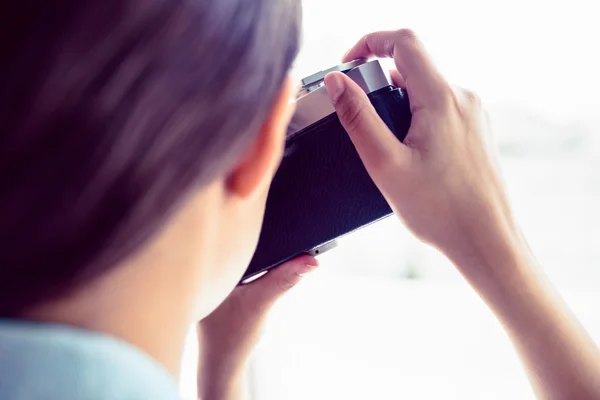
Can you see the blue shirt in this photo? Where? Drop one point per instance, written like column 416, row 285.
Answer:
column 46, row 361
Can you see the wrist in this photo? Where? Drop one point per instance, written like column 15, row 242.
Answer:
column 221, row 384
column 219, row 380
column 221, row 366
column 217, row 360
column 495, row 260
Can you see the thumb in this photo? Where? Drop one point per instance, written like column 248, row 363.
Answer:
column 266, row 290
column 373, row 140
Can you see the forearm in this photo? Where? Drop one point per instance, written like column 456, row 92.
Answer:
column 561, row 360
column 216, row 384
column 221, row 371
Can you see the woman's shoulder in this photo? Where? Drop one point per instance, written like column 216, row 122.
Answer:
column 42, row 361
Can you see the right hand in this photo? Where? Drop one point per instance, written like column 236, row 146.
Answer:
column 445, row 183
column 444, row 180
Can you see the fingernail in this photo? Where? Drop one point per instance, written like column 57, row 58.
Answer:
column 335, row 86
column 313, row 262
column 310, row 266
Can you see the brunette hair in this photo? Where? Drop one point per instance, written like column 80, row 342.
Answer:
column 111, row 112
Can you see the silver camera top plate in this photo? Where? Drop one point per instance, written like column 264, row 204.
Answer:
column 315, row 80
column 313, row 103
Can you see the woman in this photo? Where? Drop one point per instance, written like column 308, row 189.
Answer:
column 138, row 140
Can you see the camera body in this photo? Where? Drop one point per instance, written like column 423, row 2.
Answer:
column 321, row 190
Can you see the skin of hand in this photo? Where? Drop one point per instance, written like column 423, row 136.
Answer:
column 228, row 335
column 444, row 182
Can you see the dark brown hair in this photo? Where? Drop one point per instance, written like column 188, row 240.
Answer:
column 111, row 112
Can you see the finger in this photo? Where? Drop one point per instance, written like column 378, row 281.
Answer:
column 266, row 290
column 397, row 79
column 373, row 140
column 424, row 83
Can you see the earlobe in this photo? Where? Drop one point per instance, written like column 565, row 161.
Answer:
column 260, row 161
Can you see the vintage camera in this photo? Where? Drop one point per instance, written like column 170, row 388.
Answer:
column 321, row 190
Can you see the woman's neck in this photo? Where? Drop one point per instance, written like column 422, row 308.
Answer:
column 134, row 305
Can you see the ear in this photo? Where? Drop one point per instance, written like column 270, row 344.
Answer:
column 258, row 165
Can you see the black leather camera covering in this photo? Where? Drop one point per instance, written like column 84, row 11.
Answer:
column 321, row 190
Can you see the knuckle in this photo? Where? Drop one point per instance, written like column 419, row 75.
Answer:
column 469, row 97
column 448, row 97
column 472, row 98
column 466, row 101
column 406, row 35
column 406, row 40
column 367, row 41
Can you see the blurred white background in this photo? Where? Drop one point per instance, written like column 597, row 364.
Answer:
column 386, row 317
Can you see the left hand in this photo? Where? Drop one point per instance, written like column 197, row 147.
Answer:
column 228, row 335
